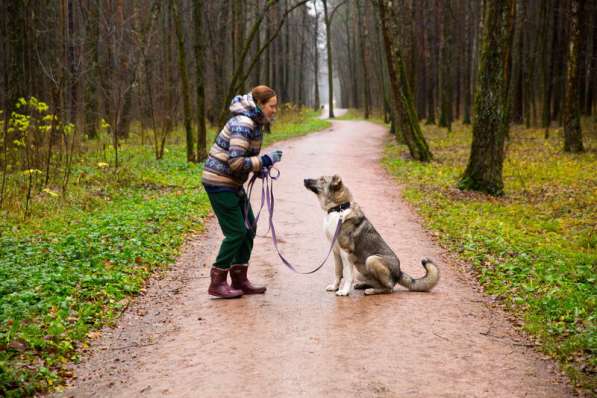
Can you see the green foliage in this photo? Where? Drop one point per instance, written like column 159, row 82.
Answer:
column 75, row 264
column 69, row 273
column 357, row 114
column 294, row 122
column 534, row 248
column 31, row 131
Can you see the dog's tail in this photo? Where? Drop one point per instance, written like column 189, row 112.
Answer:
column 425, row 283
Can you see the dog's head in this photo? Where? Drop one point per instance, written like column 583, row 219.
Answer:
column 330, row 191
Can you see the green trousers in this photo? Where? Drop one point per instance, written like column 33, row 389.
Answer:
column 238, row 240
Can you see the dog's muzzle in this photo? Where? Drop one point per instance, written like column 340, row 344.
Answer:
column 310, row 184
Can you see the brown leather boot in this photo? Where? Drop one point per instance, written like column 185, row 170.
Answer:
column 219, row 285
column 238, row 274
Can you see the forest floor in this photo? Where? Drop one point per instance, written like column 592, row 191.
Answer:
column 298, row 339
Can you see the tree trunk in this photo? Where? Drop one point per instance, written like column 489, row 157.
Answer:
column 560, row 66
column 572, row 130
column 317, row 100
column 466, row 118
column 238, row 32
column 268, row 56
column 592, row 80
column 518, row 65
column 551, row 41
column 431, row 33
column 184, row 80
column 218, row 51
column 301, row 72
column 364, row 31
column 328, row 36
column 445, row 71
column 285, row 92
column 91, row 103
column 199, row 46
column 457, row 96
column 257, row 74
column 124, row 104
column 405, row 112
column 491, row 116
column 350, row 51
column 422, row 58
column 16, row 63
column 72, row 64
column 168, row 114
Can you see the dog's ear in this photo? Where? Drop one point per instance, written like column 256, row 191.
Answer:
column 336, row 182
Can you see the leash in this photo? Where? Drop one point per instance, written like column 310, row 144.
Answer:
column 267, row 198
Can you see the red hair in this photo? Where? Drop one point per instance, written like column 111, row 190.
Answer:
column 261, row 94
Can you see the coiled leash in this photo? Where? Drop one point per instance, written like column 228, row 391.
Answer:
column 267, row 198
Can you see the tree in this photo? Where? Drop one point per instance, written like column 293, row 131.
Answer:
column 572, row 129
column 518, row 60
column 184, row 80
column 407, row 120
column 241, row 74
column 92, row 42
column 363, row 39
column 468, row 32
column 328, row 38
column 491, row 112
column 431, row 58
column 550, row 42
column 199, row 45
column 445, row 70
column 317, row 102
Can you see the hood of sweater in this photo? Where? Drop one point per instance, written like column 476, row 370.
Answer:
column 245, row 105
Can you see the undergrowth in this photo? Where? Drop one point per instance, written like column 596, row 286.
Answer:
column 534, row 248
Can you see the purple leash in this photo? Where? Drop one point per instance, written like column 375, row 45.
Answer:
column 267, row 197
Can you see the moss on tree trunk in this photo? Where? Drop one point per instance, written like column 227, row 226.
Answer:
column 490, row 109
column 572, row 130
column 406, row 115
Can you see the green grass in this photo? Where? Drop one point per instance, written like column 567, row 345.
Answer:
column 357, row 114
column 294, row 123
column 74, row 265
column 535, row 248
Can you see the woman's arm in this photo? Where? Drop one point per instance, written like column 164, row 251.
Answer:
column 240, row 144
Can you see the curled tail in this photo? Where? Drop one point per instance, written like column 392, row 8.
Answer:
column 425, row 283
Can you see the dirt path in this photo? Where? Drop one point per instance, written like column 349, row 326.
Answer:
column 298, row 339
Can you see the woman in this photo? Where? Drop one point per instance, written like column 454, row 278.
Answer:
column 233, row 156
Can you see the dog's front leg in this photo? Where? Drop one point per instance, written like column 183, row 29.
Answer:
column 347, row 276
column 337, row 272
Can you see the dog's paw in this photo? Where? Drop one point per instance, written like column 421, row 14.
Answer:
column 370, row 292
column 332, row 287
column 361, row 285
column 343, row 292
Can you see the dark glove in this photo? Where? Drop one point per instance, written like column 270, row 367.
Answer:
column 275, row 156
column 262, row 173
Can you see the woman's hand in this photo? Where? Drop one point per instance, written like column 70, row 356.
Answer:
column 263, row 173
column 275, row 156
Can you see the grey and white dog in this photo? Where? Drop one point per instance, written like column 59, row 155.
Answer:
column 361, row 247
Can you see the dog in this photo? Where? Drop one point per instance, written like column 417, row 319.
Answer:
column 359, row 246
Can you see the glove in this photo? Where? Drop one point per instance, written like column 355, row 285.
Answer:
column 262, row 173
column 275, row 156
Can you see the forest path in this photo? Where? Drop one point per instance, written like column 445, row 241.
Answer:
column 298, row 339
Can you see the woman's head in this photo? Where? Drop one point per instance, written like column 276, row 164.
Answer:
column 266, row 100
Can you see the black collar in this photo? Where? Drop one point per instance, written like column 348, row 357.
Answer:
column 341, row 207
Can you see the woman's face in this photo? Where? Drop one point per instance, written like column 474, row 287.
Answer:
column 270, row 108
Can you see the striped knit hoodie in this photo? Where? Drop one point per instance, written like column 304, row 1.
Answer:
column 235, row 152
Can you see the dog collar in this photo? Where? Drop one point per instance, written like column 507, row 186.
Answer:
column 341, row 207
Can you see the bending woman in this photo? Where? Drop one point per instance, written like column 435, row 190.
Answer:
column 233, row 156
